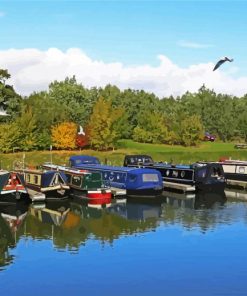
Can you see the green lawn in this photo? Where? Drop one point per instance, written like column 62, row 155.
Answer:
column 177, row 154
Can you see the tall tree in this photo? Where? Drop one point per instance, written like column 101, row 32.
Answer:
column 10, row 101
column 102, row 125
column 151, row 128
column 191, row 131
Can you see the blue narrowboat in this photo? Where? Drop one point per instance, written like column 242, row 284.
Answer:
column 197, row 176
column 136, row 181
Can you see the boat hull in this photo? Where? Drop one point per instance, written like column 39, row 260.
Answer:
column 147, row 192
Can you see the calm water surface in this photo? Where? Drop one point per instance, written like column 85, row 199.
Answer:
column 177, row 245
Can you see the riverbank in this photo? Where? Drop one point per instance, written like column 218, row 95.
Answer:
column 176, row 154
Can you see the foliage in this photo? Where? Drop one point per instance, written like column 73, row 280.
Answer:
column 63, row 135
column 74, row 99
column 151, row 128
column 191, row 132
column 125, row 114
column 9, row 100
column 102, row 125
column 9, row 137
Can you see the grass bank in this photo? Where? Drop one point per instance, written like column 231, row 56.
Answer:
column 176, row 154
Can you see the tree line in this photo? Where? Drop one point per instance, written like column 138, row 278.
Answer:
column 107, row 114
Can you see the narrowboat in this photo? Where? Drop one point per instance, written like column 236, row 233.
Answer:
column 235, row 172
column 136, row 181
column 12, row 186
column 83, row 183
column 197, row 176
column 43, row 184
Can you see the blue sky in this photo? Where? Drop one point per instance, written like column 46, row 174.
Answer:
column 131, row 32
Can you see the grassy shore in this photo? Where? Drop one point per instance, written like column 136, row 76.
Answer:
column 176, row 154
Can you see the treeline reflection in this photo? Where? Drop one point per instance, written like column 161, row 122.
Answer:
column 73, row 222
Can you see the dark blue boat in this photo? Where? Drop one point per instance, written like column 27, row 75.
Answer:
column 207, row 176
column 136, row 181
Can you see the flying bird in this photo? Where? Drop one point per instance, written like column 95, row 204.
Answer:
column 221, row 61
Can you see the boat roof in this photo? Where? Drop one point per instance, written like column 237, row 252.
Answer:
column 115, row 168
column 85, row 159
column 65, row 169
column 231, row 161
column 84, row 162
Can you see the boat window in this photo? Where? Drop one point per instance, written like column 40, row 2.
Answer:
column 175, row 174
column 202, row 173
column 28, row 177
column 132, row 160
column 182, row 174
column 36, row 179
column 167, row 173
column 76, row 180
column 216, row 172
column 150, row 177
column 241, row 170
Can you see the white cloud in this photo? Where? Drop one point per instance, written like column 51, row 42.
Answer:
column 195, row 45
column 33, row 70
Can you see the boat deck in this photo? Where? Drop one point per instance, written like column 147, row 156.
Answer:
column 178, row 186
column 118, row 192
column 35, row 195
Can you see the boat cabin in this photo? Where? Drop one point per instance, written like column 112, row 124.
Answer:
column 135, row 181
column 187, row 177
column 83, row 182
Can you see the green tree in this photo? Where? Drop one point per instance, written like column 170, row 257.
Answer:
column 27, row 125
column 151, row 128
column 191, row 131
column 10, row 137
column 10, row 101
column 76, row 101
column 102, row 125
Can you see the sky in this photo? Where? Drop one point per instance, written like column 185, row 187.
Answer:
column 165, row 47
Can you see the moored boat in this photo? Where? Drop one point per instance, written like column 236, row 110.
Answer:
column 136, row 181
column 82, row 182
column 43, row 184
column 235, row 172
column 207, row 176
column 12, row 186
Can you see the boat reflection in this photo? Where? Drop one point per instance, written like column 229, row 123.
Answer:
column 12, row 216
column 236, row 194
column 72, row 223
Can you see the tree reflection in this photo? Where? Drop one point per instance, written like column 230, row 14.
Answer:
column 72, row 223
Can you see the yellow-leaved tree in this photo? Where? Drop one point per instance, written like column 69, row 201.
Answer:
column 63, row 135
column 102, row 125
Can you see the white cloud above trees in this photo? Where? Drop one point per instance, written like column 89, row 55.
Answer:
column 33, row 70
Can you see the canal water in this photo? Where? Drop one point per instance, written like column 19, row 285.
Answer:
column 174, row 245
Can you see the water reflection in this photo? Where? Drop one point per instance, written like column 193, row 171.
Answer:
column 12, row 216
column 72, row 223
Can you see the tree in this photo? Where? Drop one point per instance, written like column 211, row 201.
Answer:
column 63, row 135
column 10, row 137
column 10, row 101
column 151, row 128
column 4, row 75
column 77, row 102
column 102, row 125
column 27, row 125
column 191, row 131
